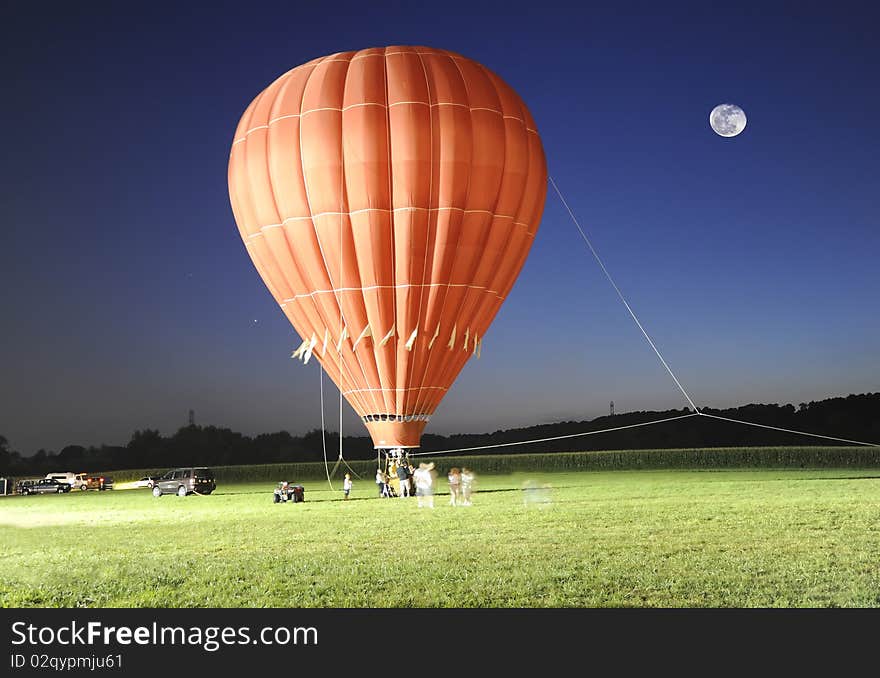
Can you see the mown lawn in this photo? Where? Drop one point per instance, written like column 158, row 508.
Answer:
column 733, row 538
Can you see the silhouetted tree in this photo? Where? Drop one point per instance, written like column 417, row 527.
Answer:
column 10, row 460
column 856, row 417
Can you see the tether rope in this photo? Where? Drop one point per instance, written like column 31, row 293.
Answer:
column 697, row 412
column 342, row 282
column 323, row 440
column 544, row 440
column 646, row 423
column 620, row 294
column 342, row 323
column 788, row 430
column 356, row 474
column 340, row 421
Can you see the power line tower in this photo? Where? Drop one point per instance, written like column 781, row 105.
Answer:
column 192, row 418
column 612, row 408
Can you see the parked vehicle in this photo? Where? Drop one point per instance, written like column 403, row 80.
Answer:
column 99, row 483
column 284, row 491
column 146, row 481
column 77, row 481
column 23, row 485
column 184, row 481
column 42, row 486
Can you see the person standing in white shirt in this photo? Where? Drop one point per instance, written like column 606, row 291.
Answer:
column 424, row 477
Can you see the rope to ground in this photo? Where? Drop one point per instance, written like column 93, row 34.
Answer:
column 544, row 440
column 696, row 413
column 323, row 441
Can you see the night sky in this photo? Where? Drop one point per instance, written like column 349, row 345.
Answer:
column 128, row 298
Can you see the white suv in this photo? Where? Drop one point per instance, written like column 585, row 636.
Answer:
column 77, row 481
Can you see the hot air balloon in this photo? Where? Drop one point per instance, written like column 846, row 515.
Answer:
column 388, row 198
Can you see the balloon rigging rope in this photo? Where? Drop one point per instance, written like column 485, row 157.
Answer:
column 356, row 474
column 620, row 294
column 544, row 440
column 653, row 346
column 646, row 423
column 696, row 413
column 323, row 439
column 788, row 430
column 340, row 431
column 341, row 244
column 341, row 282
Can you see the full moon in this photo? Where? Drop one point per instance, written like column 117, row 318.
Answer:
column 727, row 120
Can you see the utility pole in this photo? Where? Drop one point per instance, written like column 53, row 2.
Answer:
column 192, row 418
column 612, row 408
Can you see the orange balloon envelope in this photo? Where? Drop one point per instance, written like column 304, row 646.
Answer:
column 389, row 198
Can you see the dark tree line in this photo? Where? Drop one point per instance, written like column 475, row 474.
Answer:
column 855, row 417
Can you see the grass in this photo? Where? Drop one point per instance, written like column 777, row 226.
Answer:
column 682, row 538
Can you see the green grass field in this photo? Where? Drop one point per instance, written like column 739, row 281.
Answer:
column 682, row 538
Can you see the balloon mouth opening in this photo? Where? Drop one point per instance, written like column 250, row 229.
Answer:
column 396, row 431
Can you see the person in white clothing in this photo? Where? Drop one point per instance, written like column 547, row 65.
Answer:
column 467, row 485
column 424, row 477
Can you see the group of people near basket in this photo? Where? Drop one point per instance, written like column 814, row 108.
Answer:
column 404, row 480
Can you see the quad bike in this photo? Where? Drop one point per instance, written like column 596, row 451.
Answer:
column 284, row 491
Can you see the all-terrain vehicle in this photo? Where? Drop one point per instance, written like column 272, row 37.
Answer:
column 284, row 491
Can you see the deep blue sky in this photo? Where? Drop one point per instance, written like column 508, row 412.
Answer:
column 128, row 298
